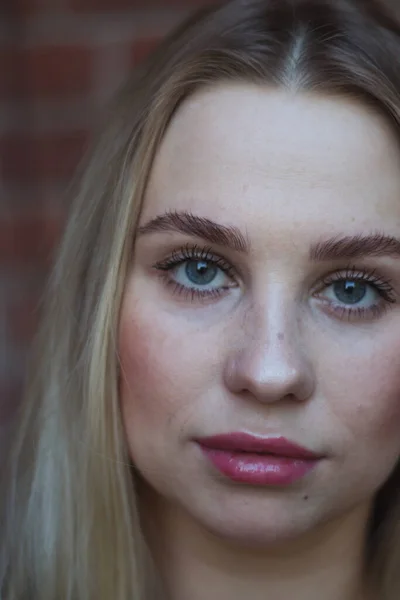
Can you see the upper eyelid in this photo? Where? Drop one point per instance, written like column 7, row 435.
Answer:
column 196, row 252
column 388, row 295
column 190, row 250
column 383, row 287
column 353, row 272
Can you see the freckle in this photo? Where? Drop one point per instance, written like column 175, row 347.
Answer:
column 281, row 336
column 305, row 497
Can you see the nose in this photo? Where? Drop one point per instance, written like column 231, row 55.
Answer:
column 269, row 359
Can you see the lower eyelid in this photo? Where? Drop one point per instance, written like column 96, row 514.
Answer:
column 193, row 294
column 387, row 293
column 356, row 313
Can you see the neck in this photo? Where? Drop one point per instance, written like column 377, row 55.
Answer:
column 196, row 564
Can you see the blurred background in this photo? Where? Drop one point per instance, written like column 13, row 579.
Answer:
column 60, row 61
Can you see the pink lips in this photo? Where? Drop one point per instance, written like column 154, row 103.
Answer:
column 251, row 460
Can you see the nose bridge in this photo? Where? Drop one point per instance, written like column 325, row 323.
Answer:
column 271, row 359
column 273, row 334
column 273, row 316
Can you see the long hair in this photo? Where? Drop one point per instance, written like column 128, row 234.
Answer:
column 71, row 527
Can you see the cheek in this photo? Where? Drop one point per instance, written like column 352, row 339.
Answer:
column 165, row 375
column 148, row 374
column 365, row 392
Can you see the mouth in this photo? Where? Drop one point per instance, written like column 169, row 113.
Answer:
column 247, row 443
column 252, row 460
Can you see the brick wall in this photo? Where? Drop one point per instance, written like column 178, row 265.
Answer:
column 60, row 61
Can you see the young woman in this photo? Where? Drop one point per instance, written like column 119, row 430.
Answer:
column 214, row 405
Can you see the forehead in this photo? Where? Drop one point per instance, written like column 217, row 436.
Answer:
column 242, row 151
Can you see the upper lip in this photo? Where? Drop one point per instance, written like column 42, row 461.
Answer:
column 245, row 442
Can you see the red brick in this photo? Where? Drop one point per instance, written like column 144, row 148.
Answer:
column 10, row 398
column 142, row 48
column 22, row 318
column 7, row 66
column 113, row 5
column 29, row 7
column 101, row 5
column 28, row 240
column 45, row 71
column 50, row 156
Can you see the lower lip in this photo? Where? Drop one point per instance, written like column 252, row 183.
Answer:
column 259, row 469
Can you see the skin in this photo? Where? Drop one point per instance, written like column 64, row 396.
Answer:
column 274, row 354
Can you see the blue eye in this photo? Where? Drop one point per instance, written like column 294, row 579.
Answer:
column 350, row 292
column 356, row 293
column 200, row 272
column 200, row 275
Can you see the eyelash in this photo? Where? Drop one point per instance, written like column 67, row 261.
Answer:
column 194, row 253
column 187, row 253
column 382, row 286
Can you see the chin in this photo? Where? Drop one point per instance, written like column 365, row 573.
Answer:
column 258, row 534
column 243, row 515
column 252, row 519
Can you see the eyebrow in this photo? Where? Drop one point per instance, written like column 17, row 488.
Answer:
column 355, row 246
column 185, row 222
column 335, row 248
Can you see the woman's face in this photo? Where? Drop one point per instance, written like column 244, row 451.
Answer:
column 264, row 298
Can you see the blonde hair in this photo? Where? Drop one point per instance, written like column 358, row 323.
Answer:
column 70, row 523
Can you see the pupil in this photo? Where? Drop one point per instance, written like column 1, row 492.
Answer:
column 350, row 292
column 200, row 272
